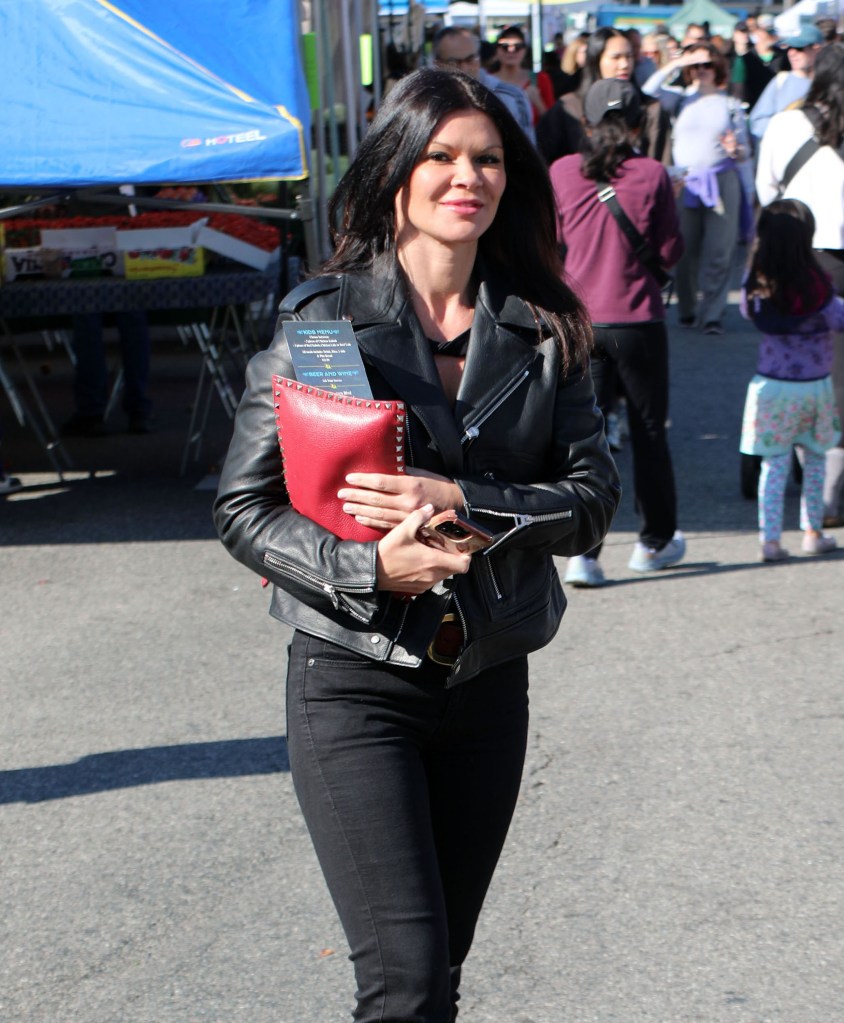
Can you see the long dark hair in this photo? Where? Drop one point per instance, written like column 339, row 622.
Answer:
column 521, row 242
column 783, row 267
column 606, row 146
column 595, row 50
column 825, row 100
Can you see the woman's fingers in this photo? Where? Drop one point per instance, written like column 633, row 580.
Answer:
column 387, row 499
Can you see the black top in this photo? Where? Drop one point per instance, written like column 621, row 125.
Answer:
column 456, row 347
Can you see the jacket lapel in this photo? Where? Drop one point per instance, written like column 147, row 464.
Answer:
column 502, row 347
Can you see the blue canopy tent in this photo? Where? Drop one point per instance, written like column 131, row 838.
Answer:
column 151, row 91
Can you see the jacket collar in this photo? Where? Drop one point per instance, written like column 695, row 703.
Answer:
column 379, row 295
column 502, row 346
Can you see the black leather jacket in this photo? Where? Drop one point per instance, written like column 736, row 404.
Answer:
column 524, row 443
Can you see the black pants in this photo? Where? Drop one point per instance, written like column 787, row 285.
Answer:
column 636, row 355
column 407, row 790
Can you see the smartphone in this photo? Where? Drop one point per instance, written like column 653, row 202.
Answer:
column 454, row 533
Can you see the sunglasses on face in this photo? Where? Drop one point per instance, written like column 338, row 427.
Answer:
column 511, row 47
column 704, row 66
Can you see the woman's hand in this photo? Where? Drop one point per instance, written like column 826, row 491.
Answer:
column 382, row 502
column 404, row 565
column 729, row 143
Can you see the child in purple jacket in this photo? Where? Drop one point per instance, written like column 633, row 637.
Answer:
column 790, row 400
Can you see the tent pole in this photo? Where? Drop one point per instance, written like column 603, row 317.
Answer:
column 329, row 96
column 376, row 56
column 360, row 106
column 352, row 101
column 320, row 30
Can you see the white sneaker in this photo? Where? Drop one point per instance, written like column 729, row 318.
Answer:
column 584, row 573
column 647, row 559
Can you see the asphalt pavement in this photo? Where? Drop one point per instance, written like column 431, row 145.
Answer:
column 676, row 855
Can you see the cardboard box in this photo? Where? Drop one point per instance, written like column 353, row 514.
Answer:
column 80, row 252
column 142, row 264
column 162, row 252
column 22, row 263
column 233, row 248
column 58, row 263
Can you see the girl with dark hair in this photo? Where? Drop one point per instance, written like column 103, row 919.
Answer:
column 622, row 295
column 709, row 143
column 802, row 157
column 790, row 401
column 407, row 718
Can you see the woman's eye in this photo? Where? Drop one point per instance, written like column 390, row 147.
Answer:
column 438, row 156
column 489, row 160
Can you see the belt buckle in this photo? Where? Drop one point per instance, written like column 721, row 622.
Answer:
column 451, row 640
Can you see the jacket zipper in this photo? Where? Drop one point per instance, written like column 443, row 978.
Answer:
column 521, row 521
column 462, row 618
column 473, row 431
column 319, row 584
column 492, row 578
column 526, row 520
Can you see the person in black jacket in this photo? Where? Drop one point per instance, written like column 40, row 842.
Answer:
column 407, row 756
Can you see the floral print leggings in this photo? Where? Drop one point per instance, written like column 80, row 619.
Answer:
column 772, row 481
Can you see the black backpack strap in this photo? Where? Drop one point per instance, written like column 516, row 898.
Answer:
column 645, row 254
column 803, row 155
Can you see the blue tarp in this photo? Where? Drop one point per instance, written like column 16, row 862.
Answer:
column 151, row 91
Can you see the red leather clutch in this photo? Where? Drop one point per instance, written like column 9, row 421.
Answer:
column 323, row 436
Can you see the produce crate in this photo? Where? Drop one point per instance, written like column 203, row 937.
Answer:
column 162, row 252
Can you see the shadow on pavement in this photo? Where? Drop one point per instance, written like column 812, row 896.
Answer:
column 100, row 772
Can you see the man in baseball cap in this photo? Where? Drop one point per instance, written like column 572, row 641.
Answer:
column 788, row 87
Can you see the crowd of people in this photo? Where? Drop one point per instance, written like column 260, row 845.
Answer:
column 724, row 127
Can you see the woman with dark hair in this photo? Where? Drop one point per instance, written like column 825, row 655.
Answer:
column 709, row 141
column 609, row 54
column 407, row 718
column 622, row 295
column 802, row 157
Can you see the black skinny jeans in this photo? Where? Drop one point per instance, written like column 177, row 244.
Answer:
column 407, row 790
column 636, row 356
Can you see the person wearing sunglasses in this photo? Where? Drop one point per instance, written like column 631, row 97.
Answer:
column 788, row 87
column 457, row 49
column 510, row 51
column 709, row 142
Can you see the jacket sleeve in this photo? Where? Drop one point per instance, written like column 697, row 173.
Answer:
column 257, row 524
column 569, row 511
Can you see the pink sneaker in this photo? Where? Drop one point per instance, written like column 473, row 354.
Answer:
column 818, row 544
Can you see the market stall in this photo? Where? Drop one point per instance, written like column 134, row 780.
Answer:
column 144, row 93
